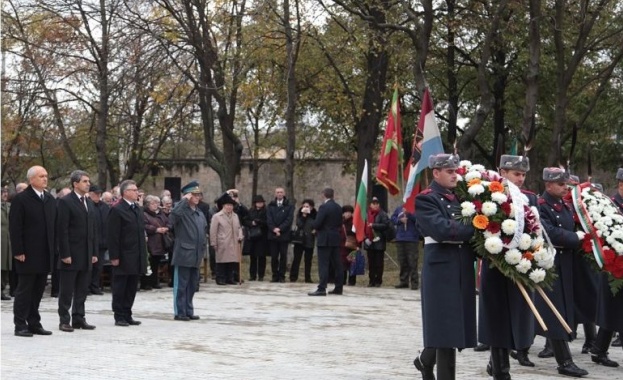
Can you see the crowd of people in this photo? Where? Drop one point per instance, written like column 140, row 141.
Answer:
column 88, row 237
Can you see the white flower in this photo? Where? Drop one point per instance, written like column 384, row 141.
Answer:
column 489, row 208
column 525, row 242
column 523, row 266
column 618, row 248
column 494, row 245
column 537, row 242
column 485, row 183
column 478, row 168
column 499, row 198
column 465, row 164
column 512, row 256
column 472, row 175
column 487, row 234
column 537, row 275
column 468, row 209
column 476, row 190
column 508, row 226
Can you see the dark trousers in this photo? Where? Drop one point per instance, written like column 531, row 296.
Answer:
column 257, row 249
column 154, row 263
column 408, row 260
column 348, row 278
column 376, row 265
column 5, row 279
column 73, row 288
column 54, row 278
column 296, row 262
column 278, row 259
column 212, row 257
column 326, row 256
column 96, row 272
column 184, row 288
column 123, row 295
column 28, row 295
column 226, row 272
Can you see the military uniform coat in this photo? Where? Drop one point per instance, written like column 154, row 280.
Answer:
column 504, row 317
column 32, row 226
column 126, row 239
column 558, row 223
column 190, row 235
column 226, row 236
column 76, row 229
column 448, row 291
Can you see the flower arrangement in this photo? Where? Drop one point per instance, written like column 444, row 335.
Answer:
column 603, row 226
column 508, row 230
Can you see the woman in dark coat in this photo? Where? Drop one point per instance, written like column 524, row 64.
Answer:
column 304, row 220
column 375, row 242
column 257, row 238
column 156, row 226
column 347, row 230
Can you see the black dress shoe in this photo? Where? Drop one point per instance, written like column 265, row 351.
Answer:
column 252, row 279
column 481, row 347
column 181, row 318
column 82, row 325
column 97, row 292
column 569, row 368
column 427, row 372
column 24, row 333
column 219, row 282
column 586, row 347
column 522, row 357
column 65, row 327
column 283, row 280
column 546, row 353
column 336, row 292
column 261, row 279
column 604, row 360
column 231, row 282
column 122, row 323
column 39, row 331
column 133, row 322
column 318, row 292
column 308, row 281
column 371, row 285
column 274, row 280
column 157, row 286
column 401, row 286
column 54, row 295
column 193, row 317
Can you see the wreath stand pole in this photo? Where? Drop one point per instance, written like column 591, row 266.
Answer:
column 556, row 313
column 239, row 263
column 538, row 317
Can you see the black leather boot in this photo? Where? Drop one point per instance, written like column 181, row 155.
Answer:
column 425, row 363
column 590, row 333
column 446, row 364
column 500, row 365
column 481, row 347
column 565, row 361
column 599, row 351
column 547, row 350
column 522, row 357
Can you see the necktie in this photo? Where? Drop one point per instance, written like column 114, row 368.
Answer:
column 42, row 196
column 84, row 203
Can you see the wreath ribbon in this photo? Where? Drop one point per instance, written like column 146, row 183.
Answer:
column 587, row 225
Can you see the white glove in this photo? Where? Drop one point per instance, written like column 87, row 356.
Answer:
column 580, row 234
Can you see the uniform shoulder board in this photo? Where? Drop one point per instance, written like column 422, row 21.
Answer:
column 542, row 201
column 525, row 191
column 426, row 191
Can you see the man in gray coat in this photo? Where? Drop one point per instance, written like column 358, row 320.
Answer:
column 189, row 224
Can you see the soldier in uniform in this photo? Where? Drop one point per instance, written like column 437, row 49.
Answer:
column 505, row 319
column 557, row 220
column 448, row 293
column 609, row 307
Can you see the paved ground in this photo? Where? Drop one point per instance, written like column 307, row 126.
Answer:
column 254, row 331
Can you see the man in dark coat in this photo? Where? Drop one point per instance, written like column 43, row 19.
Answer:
column 609, row 307
column 32, row 228
column 101, row 217
column 128, row 252
column 327, row 225
column 77, row 247
column 189, row 224
column 558, row 223
column 505, row 321
column 279, row 216
column 448, row 292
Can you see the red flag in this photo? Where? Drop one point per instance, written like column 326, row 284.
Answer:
column 390, row 159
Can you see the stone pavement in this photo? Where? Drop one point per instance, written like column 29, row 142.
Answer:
column 255, row 331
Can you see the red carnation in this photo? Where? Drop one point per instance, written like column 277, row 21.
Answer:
column 609, row 256
column 478, row 205
column 506, row 207
column 494, row 227
column 461, row 171
column 616, row 267
column 507, row 240
column 586, row 244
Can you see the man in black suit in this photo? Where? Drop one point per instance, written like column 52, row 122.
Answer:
column 32, row 229
column 327, row 225
column 77, row 249
column 128, row 252
column 101, row 217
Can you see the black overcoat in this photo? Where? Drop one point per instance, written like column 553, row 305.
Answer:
column 126, row 239
column 504, row 317
column 609, row 307
column 327, row 224
column 281, row 217
column 77, row 232
column 32, row 225
column 558, row 223
column 448, row 281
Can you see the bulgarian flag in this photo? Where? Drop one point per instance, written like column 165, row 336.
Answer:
column 426, row 142
column 390, row 161
column 361, row 206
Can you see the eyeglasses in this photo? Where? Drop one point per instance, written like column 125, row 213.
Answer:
column 131, row 189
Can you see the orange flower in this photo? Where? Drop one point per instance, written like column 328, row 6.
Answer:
column 475, row 181
column 528, row 255
column 496, row 187
column 480, row 221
